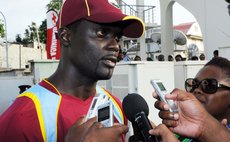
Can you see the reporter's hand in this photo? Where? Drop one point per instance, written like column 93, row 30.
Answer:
column 162, row 132
column 189, row 121
column 77, row 131
column 102, row 134
column 137, row 136
column 93, row 131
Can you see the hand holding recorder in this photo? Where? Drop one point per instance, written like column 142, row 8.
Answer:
column 102, row 108
column 161, row 92
column 192, row 120
column 90, row 130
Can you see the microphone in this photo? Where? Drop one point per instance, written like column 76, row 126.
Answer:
column 136, row 110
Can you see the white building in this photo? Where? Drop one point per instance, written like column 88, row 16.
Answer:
column 18, row 56
column 192, row 31
column 212, row 17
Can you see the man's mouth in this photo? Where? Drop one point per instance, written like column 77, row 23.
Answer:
column 109, row 61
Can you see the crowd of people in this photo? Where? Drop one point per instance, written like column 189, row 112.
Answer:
column 125, row 57
column 89, row 31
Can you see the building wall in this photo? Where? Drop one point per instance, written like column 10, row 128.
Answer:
column 195, row 30
column 27, row 53
column 212, row 16
column 196, row 37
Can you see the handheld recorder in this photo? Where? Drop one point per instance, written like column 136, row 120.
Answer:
column 105, row 114
column 161, row 92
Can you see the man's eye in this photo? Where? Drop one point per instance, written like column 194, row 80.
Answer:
column 101, row 33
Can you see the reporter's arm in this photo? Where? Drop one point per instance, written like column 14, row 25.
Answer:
column 163, row 133
column 214, row 131
column 91, row 130
column 192, row 120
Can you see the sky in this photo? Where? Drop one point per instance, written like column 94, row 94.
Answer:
column 21, row 13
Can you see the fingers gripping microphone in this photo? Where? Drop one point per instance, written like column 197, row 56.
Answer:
column 136, row 110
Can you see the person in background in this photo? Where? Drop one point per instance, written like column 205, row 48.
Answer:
column 194, row 58
column 23, row 88
column 137, row 58
column 149, row 59
column 178, row 57
column 170, row 58
column 120, row 55
column 161, row 57
column 215, row 53
column 89, row 33
column 126, row 57
column 202, row 57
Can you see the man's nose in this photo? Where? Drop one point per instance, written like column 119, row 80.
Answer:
column 114, row 44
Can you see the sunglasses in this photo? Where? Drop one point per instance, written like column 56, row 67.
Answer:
column 208, row 85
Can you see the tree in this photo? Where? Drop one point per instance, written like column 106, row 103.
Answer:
column 42, row 31
column 54, row 4
column 18, row 38
column 30, row 34
column 2, row 31
column 26, row 39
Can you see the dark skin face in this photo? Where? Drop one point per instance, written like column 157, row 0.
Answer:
column 217, row 104
column 89, row 53
column 97, row 49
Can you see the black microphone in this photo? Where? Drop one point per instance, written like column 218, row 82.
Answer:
column 136, row 110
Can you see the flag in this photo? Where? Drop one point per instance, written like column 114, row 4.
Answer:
column 52, row 43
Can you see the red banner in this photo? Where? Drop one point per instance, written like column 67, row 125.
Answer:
column 52, row 43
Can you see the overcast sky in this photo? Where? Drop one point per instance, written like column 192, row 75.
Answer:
column 21, row 13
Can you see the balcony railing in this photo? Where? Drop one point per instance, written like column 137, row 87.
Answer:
column 145, row 12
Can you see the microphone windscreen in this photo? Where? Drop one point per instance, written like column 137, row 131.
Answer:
column 133, row 104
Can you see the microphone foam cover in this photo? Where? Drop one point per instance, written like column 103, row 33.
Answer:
column 133, row 104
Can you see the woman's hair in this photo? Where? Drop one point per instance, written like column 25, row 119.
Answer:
column 222, row 63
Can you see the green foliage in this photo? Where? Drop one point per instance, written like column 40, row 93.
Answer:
column 18, row 38
column 2, row 30
column 31, row 34
column 26, row 40
column 54, row 4
column 42, row 31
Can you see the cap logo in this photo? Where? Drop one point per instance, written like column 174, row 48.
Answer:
column 114, row 3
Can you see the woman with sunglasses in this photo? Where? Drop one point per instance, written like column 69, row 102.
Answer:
column 211, row 87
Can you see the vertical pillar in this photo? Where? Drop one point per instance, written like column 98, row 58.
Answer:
column 167, row 45
column 140, row 8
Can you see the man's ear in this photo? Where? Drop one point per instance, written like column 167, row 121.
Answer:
column 64, row 36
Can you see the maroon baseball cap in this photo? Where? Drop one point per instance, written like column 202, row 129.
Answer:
column 99, row 11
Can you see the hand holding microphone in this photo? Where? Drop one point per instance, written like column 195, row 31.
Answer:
column 136, row 110
column 90, row 130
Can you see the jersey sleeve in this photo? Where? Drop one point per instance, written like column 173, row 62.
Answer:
column 20, row 123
